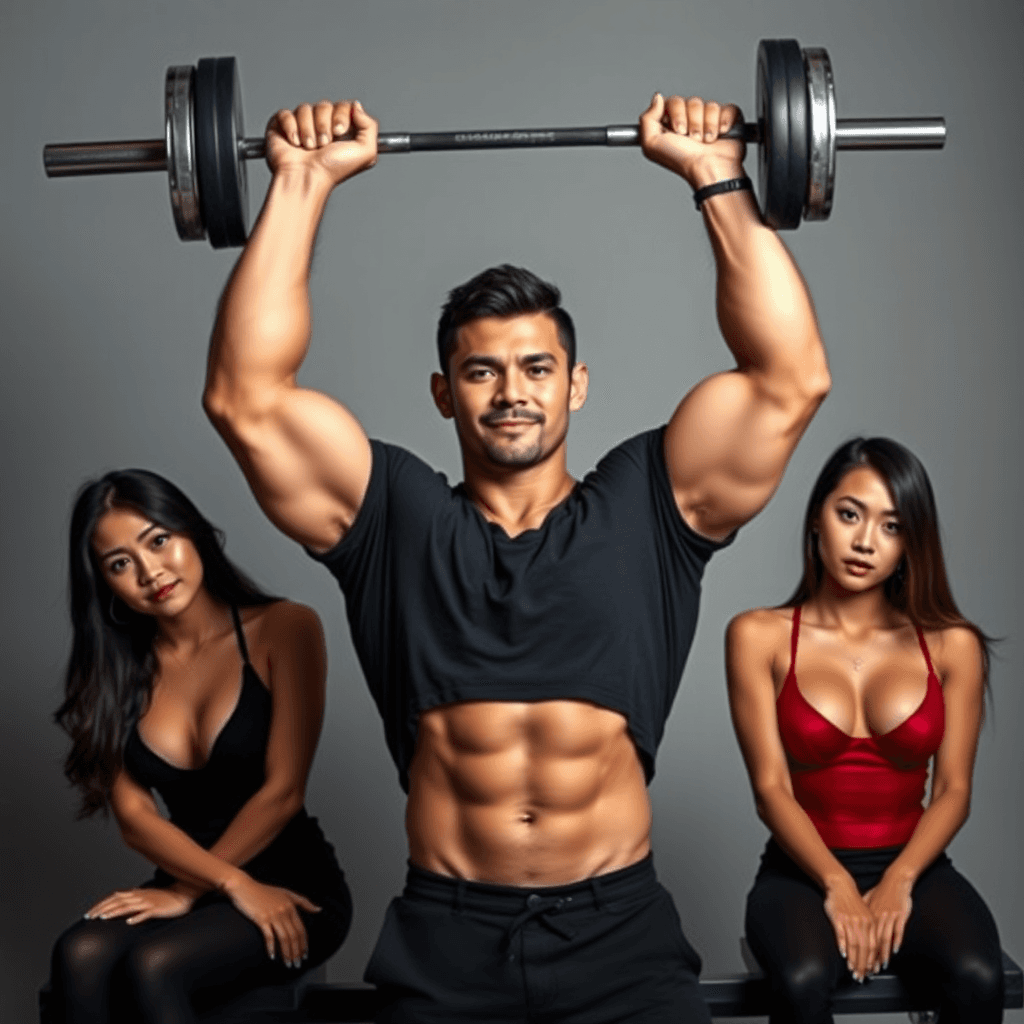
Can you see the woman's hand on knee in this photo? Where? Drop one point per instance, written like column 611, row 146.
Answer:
column 275, row 911
column 141, row 904
column 890, row 904
column 854, row 927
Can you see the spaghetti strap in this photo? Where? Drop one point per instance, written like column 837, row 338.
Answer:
column 924, row 649
column 242, row 646
column 794, row 636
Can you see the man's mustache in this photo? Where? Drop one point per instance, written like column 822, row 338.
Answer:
column 491, row 419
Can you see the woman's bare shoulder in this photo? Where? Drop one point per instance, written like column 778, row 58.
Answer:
column 759, row 629
column 954, row 648
column 280, row 620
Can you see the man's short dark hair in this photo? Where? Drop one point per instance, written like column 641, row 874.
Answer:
column 503, row 292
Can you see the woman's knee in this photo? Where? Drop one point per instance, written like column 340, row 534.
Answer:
column 976, row 981
column 88, row 949
column 153, row 969
column 805, row 987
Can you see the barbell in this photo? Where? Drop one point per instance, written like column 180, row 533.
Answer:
column 204, row 147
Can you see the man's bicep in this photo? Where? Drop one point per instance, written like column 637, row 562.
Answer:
column 307, row 460
column 726, row 448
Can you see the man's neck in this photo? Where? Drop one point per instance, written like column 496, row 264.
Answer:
column 519, row 499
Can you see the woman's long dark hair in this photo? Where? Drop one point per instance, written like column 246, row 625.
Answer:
column 109, row 674
column 919, row 587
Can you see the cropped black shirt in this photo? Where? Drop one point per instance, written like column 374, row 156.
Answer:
column 597, row 604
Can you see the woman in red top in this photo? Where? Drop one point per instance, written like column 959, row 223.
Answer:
column 840, row 699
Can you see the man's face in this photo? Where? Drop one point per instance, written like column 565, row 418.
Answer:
column 510, row 390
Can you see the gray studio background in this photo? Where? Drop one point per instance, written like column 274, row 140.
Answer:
column 106, row 315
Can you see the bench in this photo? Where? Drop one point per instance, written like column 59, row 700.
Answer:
column 311, row 1000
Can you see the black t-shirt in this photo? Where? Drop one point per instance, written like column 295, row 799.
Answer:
column 598, row 604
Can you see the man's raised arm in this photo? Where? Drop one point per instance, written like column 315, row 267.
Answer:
column 728, row 443
column 304, row 454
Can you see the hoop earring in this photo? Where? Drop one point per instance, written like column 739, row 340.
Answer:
column 113, row 617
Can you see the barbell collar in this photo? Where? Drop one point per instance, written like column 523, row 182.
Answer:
column 891, row 133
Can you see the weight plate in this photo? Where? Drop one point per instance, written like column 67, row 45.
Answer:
column 821, row 104
column 223, row 189
column 773, row 121
column 181, row 159
column 799, row 160
column 211, row 201
column 230, row 132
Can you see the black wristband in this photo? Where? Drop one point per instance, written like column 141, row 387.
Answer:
column 743, row 184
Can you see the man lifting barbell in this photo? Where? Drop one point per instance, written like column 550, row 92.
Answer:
column 523, row 634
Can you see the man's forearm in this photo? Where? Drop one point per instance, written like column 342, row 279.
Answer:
column 263, row 325
column 764, row 308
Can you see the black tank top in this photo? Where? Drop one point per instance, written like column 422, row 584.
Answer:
column 203, row 801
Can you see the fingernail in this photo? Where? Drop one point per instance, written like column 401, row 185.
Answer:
column 708, row 137
column 359, row 105
column 695, row 135
column 338, row 130
column 309, row 142
column 885, row 966
column 324, row 138
column 294, row 138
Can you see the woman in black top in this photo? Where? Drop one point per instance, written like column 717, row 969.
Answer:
column 186, row 679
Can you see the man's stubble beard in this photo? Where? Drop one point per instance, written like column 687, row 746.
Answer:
column 515, row 456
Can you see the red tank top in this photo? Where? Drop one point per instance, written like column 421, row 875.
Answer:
column 865, row 791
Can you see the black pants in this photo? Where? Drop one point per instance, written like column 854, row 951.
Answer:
column 950, row 947
column 608, row 949
column 160, row 971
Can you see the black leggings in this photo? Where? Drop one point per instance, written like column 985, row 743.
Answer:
column 159, row 971
column 950, row 947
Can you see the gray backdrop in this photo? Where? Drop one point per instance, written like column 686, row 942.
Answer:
column 917, row 280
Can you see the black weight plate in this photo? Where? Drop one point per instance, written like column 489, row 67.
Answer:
column 211, row 201
column 218, row 127
column 773, row 178
column 799, row 134
column 234, row 185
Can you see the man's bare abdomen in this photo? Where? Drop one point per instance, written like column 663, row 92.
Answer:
column 532, row 794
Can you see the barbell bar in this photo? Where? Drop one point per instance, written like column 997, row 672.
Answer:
column 204, row 147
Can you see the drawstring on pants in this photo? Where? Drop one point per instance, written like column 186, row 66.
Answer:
column 543, row 908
